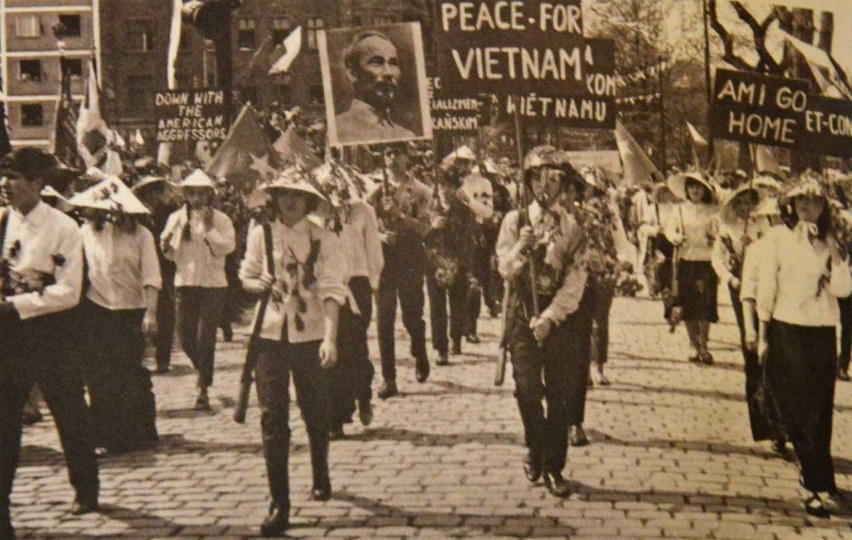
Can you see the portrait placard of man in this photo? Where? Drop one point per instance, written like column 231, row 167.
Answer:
column 374, row 83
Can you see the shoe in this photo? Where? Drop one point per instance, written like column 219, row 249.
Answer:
column 84, row 505
column 275, row 523
column 365, row 412
column 336, row 433
column 456, row 349
column 202, row 402
column 388, row 390
column 601, row 379
column 422, row 369
column 780, row 448
column 695, row 358
column 707, row 358
column 443, row 359
column 556, row 485
column 532, row 466
column 815, row 507
column 473, row 338
column 321, row 493
column 843, row 374
column 578, row 436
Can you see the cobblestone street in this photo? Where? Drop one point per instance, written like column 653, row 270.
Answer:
column 671, row 456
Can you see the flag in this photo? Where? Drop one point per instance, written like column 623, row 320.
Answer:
column 246, row 157
column 819, row 59
column 293, row 149
column 638, row 168
column 765, row 161
column 94, row 137
column 697, row 142
column 259, row 61
column 137, row 139
column 64, row 144
column 292, row 46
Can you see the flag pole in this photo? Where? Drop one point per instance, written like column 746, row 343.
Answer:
column 707, row 88
column 524, row 201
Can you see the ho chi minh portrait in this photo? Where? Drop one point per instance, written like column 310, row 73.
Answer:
column 374, row 82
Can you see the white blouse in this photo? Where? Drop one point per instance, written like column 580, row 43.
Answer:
column 696, row 223
column 797, row 282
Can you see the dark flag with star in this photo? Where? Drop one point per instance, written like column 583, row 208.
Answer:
column 246, row 157
column 65, row 134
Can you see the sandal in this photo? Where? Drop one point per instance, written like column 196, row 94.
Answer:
column 815, row 507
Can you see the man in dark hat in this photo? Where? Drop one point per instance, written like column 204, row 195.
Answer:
column 41, row 278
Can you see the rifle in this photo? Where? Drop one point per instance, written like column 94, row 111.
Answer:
column 246, row 379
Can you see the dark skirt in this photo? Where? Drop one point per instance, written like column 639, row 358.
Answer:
column 799, row 395
column 121, row 394
column 697, row 288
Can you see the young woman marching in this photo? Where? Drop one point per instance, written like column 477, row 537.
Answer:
column 299, row 333
column 545, row 235
column 691, row 229
column 802, row 273
column 197, row 238
column 119, row 309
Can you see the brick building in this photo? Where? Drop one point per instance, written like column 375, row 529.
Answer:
column 29, row 60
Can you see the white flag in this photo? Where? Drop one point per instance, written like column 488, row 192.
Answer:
column 696, row 136
column 174, row 43
column 292, row 45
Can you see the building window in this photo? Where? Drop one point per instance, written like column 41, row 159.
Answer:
column 75, row 67
column 314, row 24
column 71, row 24
column 140, row 35
column 246, row 35
column 140, row 93
column 32, row 115
column 28, row 26
column 30, row 71
column 280, row 29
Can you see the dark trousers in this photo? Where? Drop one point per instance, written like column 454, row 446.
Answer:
column 600, row 303
column 165, row 325
column 541, row 372
column 845, row 305
column 39, row 350
column 760, row 428
column 800, row 378
column 577, row 349
column 198, row 312
column 401, row 277
column 438, row 304
column 482, row 294
column 123, row 411
column 351, row 377
column 274, row 363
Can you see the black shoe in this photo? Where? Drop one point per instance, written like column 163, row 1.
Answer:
column 387, row 390
column 707, row 358
column 443, row 359
column 202, row 402
column 422, row 369
column 365, row 412
column 456, row 350
column 84, row 505
column 556, row 485
column 532, row 467
column 843, row 374
column 780, row 448
column 321, row 493
column 336, row 433
column 275, row 523
column 815, row 507
column 473, row 338
column 578, row 436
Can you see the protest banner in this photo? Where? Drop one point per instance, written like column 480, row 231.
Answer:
column 828, row 127
column 533, row 49
column 191, row 115
column 457, row 115
column 757, row 108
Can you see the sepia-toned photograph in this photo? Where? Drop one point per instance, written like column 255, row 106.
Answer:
column 261, row 278
column 374, row 82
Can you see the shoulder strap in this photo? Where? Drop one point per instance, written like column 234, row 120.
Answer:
column 4, row 224
column 267, row 244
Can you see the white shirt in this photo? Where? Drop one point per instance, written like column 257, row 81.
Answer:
column 360, row 242
column 797, row 283
column 291, row 247
column 200, row 261
column 564, row 250
column 722, row 258
column 47, row 243
column 695, row 223
column 120, row 266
